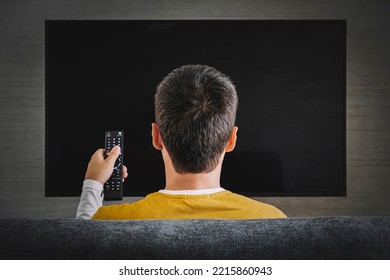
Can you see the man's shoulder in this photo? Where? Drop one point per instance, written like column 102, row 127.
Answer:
column 254, row 205
column 122, row 210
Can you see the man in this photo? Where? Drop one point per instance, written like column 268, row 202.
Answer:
column 195, row 108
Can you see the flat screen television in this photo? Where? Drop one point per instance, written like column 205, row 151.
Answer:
column 290, row 76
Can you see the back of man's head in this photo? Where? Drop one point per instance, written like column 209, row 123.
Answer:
column 195, row 107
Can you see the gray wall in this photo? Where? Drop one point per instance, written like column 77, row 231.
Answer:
column 22, row 94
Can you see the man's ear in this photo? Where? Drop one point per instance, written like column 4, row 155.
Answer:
column 232, row 140
column 156, row 137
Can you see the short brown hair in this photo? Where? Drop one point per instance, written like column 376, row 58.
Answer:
column 195, row 107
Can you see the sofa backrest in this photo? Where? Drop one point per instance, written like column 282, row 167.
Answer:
column 292, row 238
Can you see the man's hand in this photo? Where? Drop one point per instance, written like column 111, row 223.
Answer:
column 100, row 169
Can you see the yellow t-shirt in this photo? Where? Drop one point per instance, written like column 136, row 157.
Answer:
column 220, row 205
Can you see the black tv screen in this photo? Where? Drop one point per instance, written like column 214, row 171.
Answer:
column 290, row 76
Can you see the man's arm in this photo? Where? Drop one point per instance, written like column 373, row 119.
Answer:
column 98, row 172
column 91, row 199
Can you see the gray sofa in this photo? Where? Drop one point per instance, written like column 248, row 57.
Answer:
column 293, row 238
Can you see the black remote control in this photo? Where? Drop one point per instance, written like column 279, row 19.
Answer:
column 113, row 187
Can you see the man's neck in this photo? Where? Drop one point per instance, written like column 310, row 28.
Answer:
column 191, row 181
